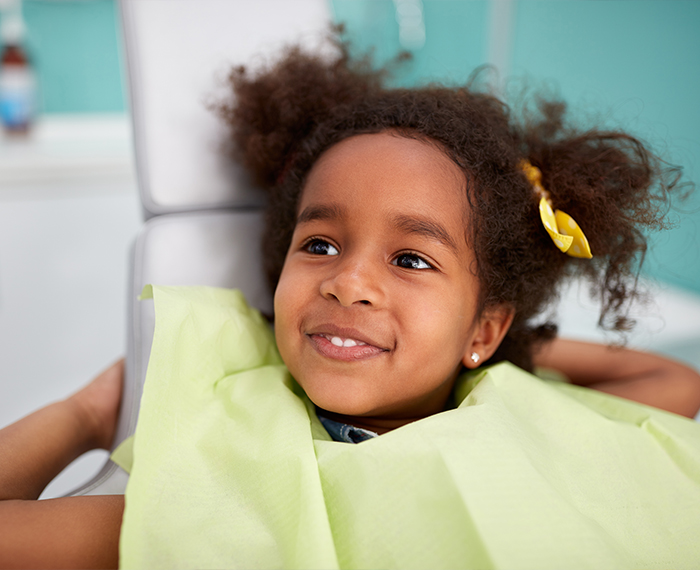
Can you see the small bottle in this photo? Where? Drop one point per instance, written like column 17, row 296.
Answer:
column 17, row 80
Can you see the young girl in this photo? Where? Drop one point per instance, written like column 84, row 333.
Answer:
column 409, row 238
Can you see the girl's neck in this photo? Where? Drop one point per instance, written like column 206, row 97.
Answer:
column 375, row 424
column 384, row 424
column 378, row 425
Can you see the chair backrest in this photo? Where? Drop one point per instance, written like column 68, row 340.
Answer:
column 179, row 54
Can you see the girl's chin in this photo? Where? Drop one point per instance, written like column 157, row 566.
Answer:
column 343, row 402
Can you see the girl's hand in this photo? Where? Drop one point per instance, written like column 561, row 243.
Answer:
column 98, row 405
column 36, row 448
column 69, row 532
column 640, row 376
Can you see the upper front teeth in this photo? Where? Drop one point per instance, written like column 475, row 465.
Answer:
column 337, row 341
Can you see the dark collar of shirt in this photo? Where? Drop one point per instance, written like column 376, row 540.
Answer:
column 345, row 432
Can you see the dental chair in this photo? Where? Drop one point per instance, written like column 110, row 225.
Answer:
column 203, row 218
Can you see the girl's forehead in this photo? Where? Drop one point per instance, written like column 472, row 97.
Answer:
column 387, row 163
column 385, row 181
column 392, row 144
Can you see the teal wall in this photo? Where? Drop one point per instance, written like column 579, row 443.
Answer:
column 448, row 54
column 631, row 64
column 639, row 64
column 74, row 46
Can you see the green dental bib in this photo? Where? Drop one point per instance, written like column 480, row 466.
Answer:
column 232, row 468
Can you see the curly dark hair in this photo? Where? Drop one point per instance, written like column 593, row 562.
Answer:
column 284, row 116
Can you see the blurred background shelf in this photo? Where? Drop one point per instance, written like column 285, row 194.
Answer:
column 68, row 153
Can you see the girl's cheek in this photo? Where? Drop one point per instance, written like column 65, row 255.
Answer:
column 286, row 302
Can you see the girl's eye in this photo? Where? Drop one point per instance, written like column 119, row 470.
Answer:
column 320, row 247
column 411, row 261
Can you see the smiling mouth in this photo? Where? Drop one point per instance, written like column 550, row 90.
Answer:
column 344, row 347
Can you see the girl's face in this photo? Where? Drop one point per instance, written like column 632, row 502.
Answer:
column 376, row 307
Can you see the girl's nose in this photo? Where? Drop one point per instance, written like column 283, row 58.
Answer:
column 353, row 281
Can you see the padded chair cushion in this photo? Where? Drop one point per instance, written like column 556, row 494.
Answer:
column 179, row 53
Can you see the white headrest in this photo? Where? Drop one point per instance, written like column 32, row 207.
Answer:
column 179, row 53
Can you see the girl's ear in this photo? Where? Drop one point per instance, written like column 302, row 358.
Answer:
column 487, row 337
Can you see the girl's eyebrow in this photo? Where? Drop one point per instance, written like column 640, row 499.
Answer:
column 320, row 212
column 402, row 222
column 426, row 228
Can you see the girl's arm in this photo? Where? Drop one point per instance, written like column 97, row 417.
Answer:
column 69, row 532
column 640, row 376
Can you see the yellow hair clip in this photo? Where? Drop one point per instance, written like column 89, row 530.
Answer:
column 566, row 234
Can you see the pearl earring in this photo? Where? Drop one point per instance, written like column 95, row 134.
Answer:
column 475, row 358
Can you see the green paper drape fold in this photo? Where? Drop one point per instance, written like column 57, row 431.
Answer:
column 232, row 469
